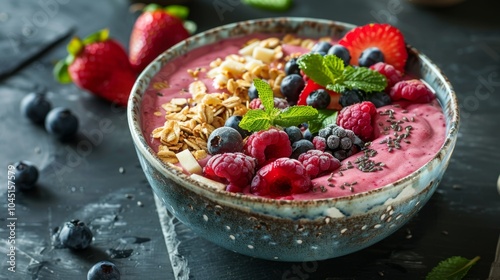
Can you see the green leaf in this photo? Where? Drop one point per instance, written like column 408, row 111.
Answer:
column 295, row 115
column 75, row 46
column 265, row 93
column 61, row 73
column 152, row 7
column 324, row 118
column 453, row 268
column 271, row 5
column 179, row 11
column 334, row 64
column 314, row 67
column 99, row 36
column 361, row 78
column 255, row 120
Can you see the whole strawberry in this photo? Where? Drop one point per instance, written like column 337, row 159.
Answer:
column 99, row 65
column 154, row 31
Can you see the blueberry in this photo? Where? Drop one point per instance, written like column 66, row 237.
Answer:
column 370, row 56
column 103, row 270
column 291, row 86
column 62, row 123
column 321, row 47
column 291, row 67
column 350, row 97
column 224, row 140
column 308, row 135
column 75, row 235
column 301, row 147
column 234, row 122
column 319, row 99
column 252, row 92
column 294, row 134
column 379, row 99
column 35, row 107
column 25, row 175
column 341, row 52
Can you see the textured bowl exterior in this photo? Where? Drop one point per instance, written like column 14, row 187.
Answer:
column 292, row 230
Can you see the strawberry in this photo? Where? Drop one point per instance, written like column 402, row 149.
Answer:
column 154, row 31
column 312, row 86
column 100, row 65
column 383, row 36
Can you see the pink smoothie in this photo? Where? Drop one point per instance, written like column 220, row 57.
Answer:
column 423, row 124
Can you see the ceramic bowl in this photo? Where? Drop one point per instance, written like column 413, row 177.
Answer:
column 288, row 230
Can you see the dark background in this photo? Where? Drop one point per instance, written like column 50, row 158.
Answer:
column 97, row 177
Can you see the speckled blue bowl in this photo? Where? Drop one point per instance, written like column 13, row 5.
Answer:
column 292, row 230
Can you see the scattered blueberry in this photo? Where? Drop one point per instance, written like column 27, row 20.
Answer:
column 234, row 122
column 379, row 99
column 291, row 86
column 341, row 52
column 252, row 92
column 224, row 140
column 350, row 97
column 62, row 123
column 300, row 147
column 35, row 107
column 75, row 235
column 294, row 134
column 321, row 47
column 370, row 56
column 319, row 99
column 308, row 135
column 25, row 175
column 103, row 270
column 291, row 67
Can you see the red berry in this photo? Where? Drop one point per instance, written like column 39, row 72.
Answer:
column 393, row 76
column 267, row 145
column 281, row 178
column 235, row 169
column 312, row 86
column 317, row 162
column 383, row 36
column 319, row 143
column 358, row 118
column 279, row 103
column 412, row 90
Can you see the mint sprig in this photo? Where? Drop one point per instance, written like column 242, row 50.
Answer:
column 330, row 72
column 257, row 119
column 452, row 268
column 324, row 119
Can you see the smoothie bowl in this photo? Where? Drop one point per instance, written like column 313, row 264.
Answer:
column 262, row 194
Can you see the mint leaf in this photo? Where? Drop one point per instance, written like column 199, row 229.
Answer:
column 324, row 118
column 361, row 78
column 452, row 268
column 334, row 64
column 266, row 94
column 271, row 5
column 255, row 120
column 295, row 115
column 315, row 67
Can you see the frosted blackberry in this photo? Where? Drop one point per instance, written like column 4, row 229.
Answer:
column 339, row 141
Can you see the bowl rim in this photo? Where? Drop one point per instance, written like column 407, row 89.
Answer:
column 196, row 186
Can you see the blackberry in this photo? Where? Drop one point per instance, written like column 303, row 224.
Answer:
column 350, row 97
column 339, row 141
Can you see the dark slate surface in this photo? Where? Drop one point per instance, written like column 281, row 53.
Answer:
column 82, row 179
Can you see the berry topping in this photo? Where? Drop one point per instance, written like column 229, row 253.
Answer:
column 358, row 118
column 391, row 74
column 370, row 56
column 291, row 67
column 267, row 145
column 281, row 178
column 412, row 90
column 25, row 175
column 252, row 92
column 291, row 86
column 319, row 99
column 342, row 52
column 339, row 141
column 353, row 96
column 279, row 103
column 321, row 47
column 235, row 169
column 388, row 39
column 317, row 162
column 224, row 140
column 35, row 107
column 310, row 87
column 294, row 133
column 379, row 98
column 75, row 235
column 319, row 143
column 234, row 122
column 103, row 270
column 300, row 147
column 62, row 123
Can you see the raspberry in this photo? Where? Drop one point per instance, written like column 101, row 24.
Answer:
column 358, row 118
column 319, row 143
column 279, row 103
column 267, row 145
column 340, row 142
column 235, row 169
column 413, row 90
column 390, row 72
column 281, row 178
column 317, row 162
